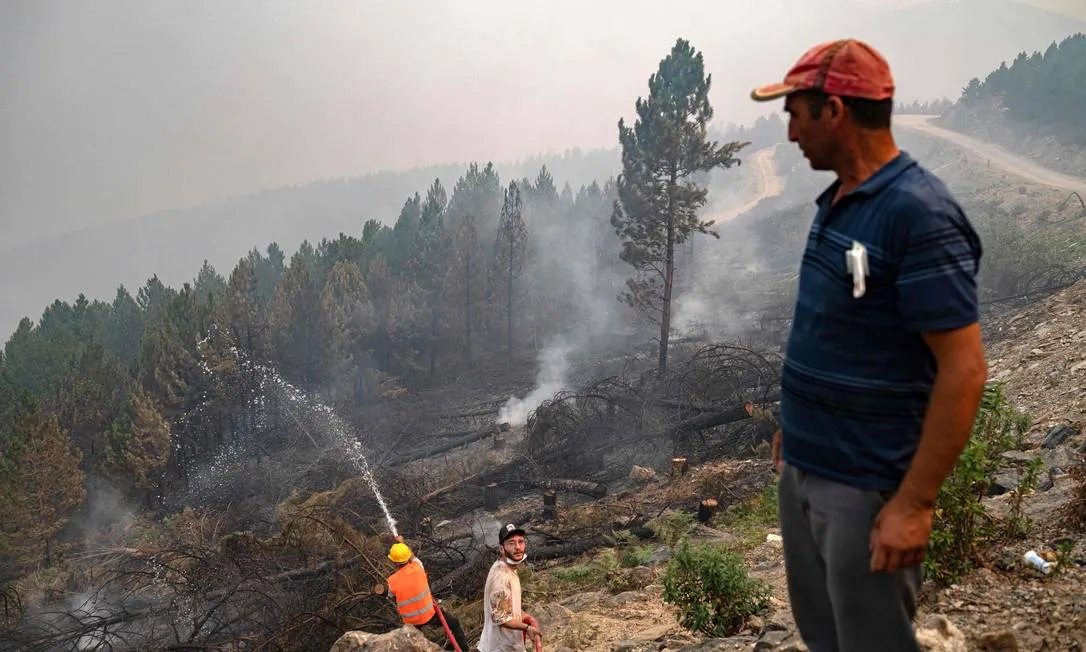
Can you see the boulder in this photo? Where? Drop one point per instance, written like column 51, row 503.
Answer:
column 551, row 617
column 940, row 635
column 641, row 576
column 1059, row 434
column 583, row 601
column 623, row 599
column 635, row 646
column 721, row 644
column 1002, row 641
column 774, row 640
column 659, row 556
column 404, row 639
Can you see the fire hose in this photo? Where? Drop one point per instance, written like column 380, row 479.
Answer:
column 532, row 622
column 445, row 626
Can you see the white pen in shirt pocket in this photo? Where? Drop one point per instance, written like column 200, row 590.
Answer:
column 856, row 263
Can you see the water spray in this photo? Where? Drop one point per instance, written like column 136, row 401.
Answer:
column 338, row 428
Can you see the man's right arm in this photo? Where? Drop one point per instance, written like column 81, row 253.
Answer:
column 501, row 608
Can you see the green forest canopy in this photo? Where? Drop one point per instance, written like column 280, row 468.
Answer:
column 1040, row 90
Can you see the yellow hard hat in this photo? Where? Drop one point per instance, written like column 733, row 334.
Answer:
column 399, row 553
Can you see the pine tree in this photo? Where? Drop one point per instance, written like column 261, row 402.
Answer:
column 297, row 323
column 428, row 264
column 658, row 193
column 465, row 277
column 510, row 246
column 350, row 314
column 40, row 481
column 146, row 449
column 210, row 286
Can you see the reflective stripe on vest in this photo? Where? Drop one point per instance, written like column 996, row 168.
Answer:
column 412, row 591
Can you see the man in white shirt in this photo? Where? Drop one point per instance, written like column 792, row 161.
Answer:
column 505, row 625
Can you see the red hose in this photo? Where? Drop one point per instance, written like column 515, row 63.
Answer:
column 532, row 622
column 445, row 626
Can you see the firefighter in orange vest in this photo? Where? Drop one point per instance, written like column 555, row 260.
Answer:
column 410, row 588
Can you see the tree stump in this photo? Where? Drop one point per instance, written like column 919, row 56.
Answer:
column 550, row 505
column 706, row 510
column 490, row 496
column 679, row 467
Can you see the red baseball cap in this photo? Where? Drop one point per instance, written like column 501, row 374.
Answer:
column 848, row 68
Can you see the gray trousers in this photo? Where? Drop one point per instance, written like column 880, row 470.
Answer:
column 838, row 603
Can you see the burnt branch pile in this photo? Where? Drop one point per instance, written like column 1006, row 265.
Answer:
column 707, row 394
column 193, row 587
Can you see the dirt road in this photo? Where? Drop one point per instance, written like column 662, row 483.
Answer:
column 996, row 155
column 769, row 185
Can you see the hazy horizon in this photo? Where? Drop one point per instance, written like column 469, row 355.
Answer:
column 123, row 109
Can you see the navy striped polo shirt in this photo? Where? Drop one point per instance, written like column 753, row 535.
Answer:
column 857, row 374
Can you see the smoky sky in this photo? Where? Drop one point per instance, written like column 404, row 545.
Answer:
column 119, row 108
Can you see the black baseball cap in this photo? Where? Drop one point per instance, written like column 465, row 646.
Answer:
column 509, row 530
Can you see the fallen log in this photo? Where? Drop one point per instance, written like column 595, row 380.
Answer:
column 453, row 486
column 593, row 489
column 477, row 564
column 570, row 549
column 289, row 576
column 472, row 437
column 676, row 404
column 482, row 478
column 482, row 412
column 713, row 419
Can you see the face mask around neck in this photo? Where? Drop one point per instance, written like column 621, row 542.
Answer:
column 514, row 563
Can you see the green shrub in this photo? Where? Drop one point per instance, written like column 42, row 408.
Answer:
column 712, row 590
column 671, row 526
column 961, row 527
column 635, row 555
column 605, row 570
column 750, row 519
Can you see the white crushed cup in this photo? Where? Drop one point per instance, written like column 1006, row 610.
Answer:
column 1033, row 559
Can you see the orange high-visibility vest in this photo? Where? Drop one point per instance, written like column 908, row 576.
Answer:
column 412, row 591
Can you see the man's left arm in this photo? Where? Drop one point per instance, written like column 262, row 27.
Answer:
column 903, row 527
column 937, row 297
column 948, row 422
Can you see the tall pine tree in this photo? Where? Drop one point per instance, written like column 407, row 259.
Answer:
column 509, row 249
column 658, row 194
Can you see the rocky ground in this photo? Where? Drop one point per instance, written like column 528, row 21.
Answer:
column 1040, row 353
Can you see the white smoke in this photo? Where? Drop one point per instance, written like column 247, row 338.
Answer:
column 552, row 377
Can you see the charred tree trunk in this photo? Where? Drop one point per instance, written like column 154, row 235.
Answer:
column 464, row 440
column 593, row 489
column 467, row 310
column 713, row 419
column 509, row 299
column 669, row 277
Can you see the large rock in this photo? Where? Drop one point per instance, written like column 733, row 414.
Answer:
column 635, row 646
column 1059, row 434
column 583, row 601
column 1001, row 641
column 551, row 617
column 404, row 639
column 940, row 635
column 744, row 643
column 641, row 576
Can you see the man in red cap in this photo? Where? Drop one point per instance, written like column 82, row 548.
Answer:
column 884, row 366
